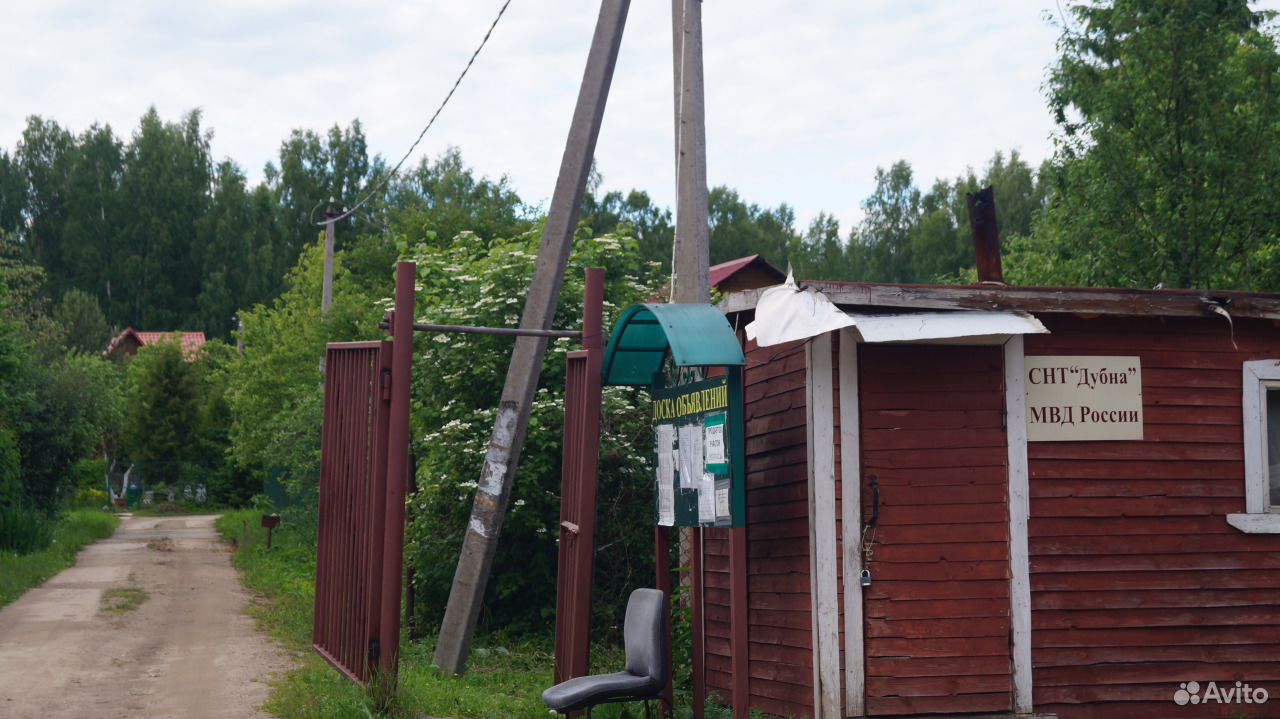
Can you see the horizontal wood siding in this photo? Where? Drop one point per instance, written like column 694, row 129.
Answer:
column 1138, row 582
column 779, row 625
column 938, row 609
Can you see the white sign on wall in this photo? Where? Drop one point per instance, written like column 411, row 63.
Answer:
column 1078, row 399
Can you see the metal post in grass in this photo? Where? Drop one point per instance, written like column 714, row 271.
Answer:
column 397, row 470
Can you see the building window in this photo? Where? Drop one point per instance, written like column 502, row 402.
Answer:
column 1272, row 425
column 1261, row 406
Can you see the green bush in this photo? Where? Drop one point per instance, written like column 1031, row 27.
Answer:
column 90, row 473
column 10, row 468
column 457, row 382
column 90, row 498
column 24, row 530
column 20, row 572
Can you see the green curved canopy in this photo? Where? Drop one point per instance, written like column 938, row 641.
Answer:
column 695, row 335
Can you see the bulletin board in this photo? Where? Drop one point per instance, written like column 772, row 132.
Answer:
column 699, row 453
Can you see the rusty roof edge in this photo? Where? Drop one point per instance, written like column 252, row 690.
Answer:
column 1077, row 300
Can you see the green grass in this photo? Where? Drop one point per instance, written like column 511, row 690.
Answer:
column 18, row 573
column 122, row 600
column 24, row 530
column 505, row 678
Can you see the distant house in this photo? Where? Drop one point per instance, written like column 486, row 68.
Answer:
column 127, row 343
column 745, row 273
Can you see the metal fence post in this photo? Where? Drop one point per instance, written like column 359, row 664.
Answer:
column 397, row 466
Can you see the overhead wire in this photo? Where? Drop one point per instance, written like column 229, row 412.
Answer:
column 381, row 184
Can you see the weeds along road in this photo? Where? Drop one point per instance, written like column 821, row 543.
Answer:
column 148, row 624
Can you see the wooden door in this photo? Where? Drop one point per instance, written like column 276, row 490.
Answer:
column 937, row 612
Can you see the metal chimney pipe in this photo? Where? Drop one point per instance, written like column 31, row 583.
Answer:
column 986, row 236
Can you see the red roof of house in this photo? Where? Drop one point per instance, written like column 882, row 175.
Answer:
column 723, row 271
column 191, row 341
column 718, row 274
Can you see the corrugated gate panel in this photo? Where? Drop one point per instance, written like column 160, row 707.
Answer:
column 352, row 483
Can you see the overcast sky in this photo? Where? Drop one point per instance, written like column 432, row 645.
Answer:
column 804, row 99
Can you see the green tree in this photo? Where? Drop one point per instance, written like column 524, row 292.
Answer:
column 162, row 421
column 881, row 245
column 739, row 228
column 820, row 253
column 25, row 303
column 75, row 402
column 13, row 192
column 1168, row 147
column 89, row 235
column 909, row 236
column 15, row 395
column 314, row 168
column 234, row 252
column 636, row 214
column 165, row 185
column 227, row 483
column 81, row 321
column 45, row 154
column 443, row 197
column 275, row 391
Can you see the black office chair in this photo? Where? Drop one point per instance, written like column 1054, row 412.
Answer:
column 648, row 663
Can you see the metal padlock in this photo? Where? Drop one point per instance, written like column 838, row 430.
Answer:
column 865, row 578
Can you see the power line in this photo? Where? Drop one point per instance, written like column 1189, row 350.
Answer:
column 381, row 184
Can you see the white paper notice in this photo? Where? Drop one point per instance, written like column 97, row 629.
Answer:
column 706, row 499
column 690, row 455
column 666, row 475
column 714, row 444
column 666, row 503
column 722, row 502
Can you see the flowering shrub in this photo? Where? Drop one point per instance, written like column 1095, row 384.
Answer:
column 458, row 380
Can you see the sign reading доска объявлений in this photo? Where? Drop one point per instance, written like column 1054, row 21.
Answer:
column 1078, row 399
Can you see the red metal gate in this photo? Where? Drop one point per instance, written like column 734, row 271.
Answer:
column 364, row 457
column 578, row 488
column 353, row 475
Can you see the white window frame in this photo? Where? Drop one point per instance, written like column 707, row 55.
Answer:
column 1259, row 517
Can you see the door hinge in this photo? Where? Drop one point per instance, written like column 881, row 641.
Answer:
column 386, row 384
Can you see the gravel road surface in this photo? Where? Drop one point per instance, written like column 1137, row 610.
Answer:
column 149, row 624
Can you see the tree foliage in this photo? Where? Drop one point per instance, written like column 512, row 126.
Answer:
column 56, row 404
column 457, row 382
column 163, row 394
column 908, row 235
column 275, row 391
column 156, row 231
column 1168, row 148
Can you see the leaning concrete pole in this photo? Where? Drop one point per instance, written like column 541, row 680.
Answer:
column 494, row 490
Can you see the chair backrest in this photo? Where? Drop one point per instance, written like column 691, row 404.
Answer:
column 645, row 635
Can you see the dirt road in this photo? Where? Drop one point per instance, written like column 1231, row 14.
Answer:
column 147, row 625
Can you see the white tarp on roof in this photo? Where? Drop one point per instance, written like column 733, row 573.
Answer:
column 917, row 326
column 787, row 313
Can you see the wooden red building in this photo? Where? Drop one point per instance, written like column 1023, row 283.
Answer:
column 1109, row 559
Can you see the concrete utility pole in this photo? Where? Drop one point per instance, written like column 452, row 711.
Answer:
column 494, row 488
column 691, row 259
column 326, row 294
column 692, row 251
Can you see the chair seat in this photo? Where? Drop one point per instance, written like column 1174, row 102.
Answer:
column 581, row 692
